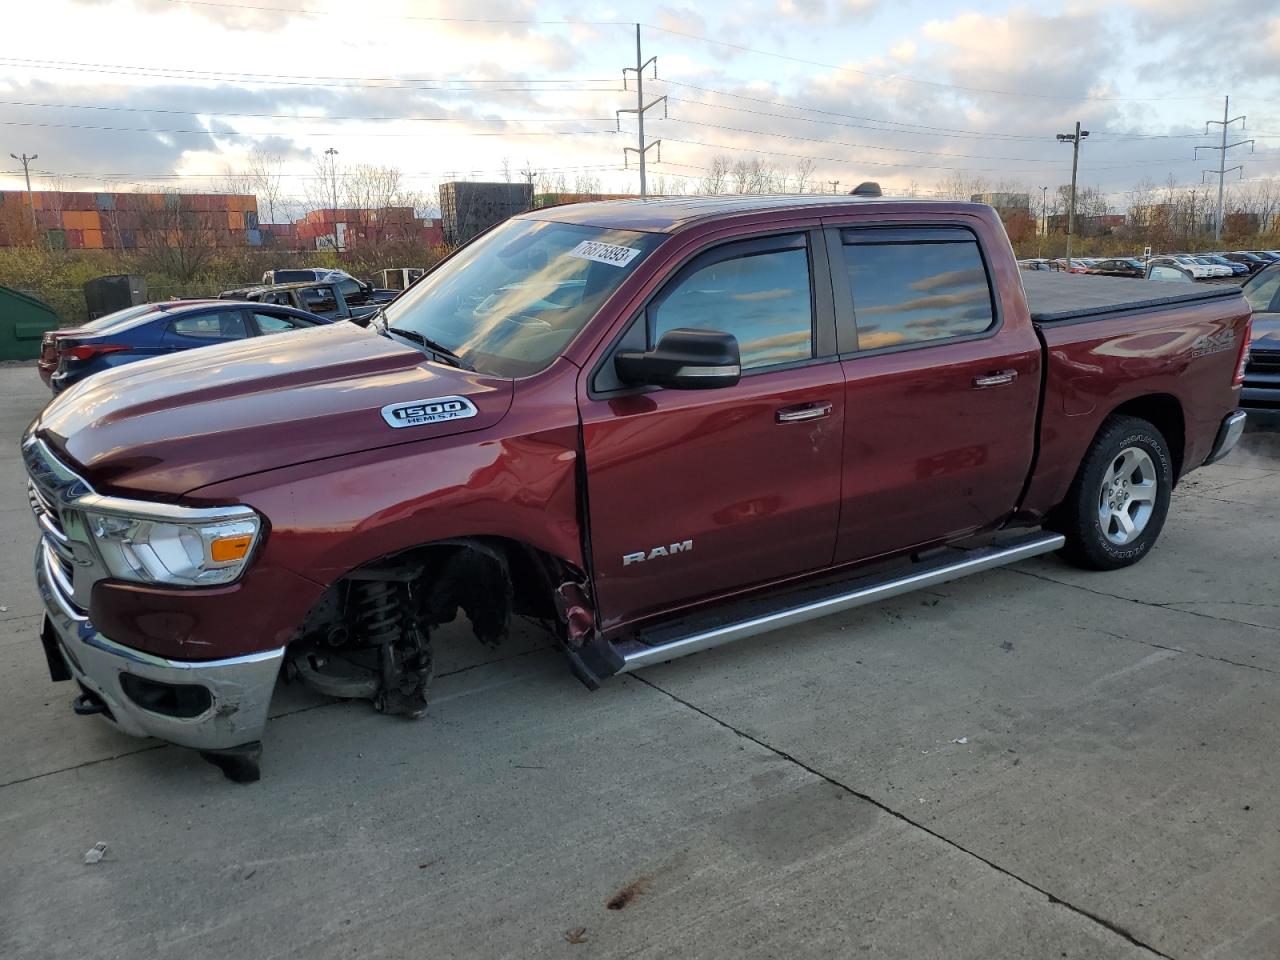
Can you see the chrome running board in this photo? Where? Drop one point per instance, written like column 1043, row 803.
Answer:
column 636, row 654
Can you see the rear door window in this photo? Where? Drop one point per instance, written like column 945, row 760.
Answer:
column 212, row 326
column 909, row 291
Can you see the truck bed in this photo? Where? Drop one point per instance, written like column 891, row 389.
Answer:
column 1056, row 298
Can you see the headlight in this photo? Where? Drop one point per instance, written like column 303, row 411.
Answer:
column 194, row 553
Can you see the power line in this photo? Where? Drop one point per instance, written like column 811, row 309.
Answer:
column 94, row 67
column 640, row 109
column 293, row 116
column 295, row 11
column 308, row 133
column 904, row 79
column 1226, row 121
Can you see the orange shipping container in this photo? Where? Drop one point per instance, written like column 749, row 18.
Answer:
column 93, row 239
column 91, row 222
column 235, row 220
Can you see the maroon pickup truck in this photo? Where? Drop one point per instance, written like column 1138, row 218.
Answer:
column 654, row 427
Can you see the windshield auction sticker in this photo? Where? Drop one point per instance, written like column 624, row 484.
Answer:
column 604, row 253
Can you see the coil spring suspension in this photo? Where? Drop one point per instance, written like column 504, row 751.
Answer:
column 404, row 657
column 379, row 613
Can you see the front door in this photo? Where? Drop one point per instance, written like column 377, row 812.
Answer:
column 941, row 390
column 695, row 493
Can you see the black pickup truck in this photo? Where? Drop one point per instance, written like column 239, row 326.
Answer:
column 323, row 298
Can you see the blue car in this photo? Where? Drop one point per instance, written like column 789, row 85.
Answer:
column 157, row 329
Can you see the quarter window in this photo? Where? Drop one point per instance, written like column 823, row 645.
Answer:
column 906, row 293
column 272, row 323
column 764, row 299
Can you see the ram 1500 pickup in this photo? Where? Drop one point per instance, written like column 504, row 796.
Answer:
column 653, row 426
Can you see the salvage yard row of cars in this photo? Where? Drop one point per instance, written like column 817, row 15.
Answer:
column 1189, row 266
column 513, row 435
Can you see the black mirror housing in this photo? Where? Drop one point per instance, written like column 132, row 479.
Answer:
column 684, row 359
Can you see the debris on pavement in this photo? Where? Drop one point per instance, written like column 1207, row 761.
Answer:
column 628, row 893
column 578, row 935
column 960, row 740
column 96, row 852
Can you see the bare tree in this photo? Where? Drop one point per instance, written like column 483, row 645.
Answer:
column 804, row 172
column 266, row 180
column 178, row 239
column 716, row 180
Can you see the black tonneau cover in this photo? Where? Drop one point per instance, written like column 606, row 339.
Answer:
column 1058, row 297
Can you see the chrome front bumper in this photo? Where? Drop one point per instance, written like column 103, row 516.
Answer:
column 239, row 688
column 1228, row 436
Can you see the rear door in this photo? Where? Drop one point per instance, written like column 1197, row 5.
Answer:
column 694, row 493
column 941, row 388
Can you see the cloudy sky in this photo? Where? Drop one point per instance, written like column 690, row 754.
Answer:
column 139, row 92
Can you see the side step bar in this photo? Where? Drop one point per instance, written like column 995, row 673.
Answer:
column 636, row 654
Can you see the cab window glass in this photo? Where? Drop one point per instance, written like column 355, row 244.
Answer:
column 764, row 299
column 907, row 293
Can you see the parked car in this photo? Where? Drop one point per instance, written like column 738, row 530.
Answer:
column 1161, row 271
column 654, row 441
column 323, row 298
column 1237, row 269
column 155, row 330
column 1215, row 269
column 1252, row 261
column 1119, row 268
column 1262, row 373
column 1075, row 266
column 1197, row 271
column 356, row 292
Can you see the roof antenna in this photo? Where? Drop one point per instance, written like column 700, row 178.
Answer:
column 867, row 188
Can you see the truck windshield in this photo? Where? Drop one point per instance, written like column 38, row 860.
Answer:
column 510, row 302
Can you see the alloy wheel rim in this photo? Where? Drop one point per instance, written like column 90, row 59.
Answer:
column 1127, row 497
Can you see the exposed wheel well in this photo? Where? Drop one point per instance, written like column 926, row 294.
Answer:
column 488, row 578
column 1164, row 412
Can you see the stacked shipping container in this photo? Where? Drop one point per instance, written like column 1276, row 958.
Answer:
column 123, row 221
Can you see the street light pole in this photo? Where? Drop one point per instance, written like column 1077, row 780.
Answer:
column 1074, row 139
column 332, row 154
column 1044, row 220
column 26, row 172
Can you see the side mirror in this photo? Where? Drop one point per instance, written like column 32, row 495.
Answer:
column 684, row 359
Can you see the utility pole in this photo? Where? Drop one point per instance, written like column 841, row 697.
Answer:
column 1044, row 220
column 642, row 148
column 1223, row 169
column 26, row 172
column 1074, row 139
column 332, row 154
column 834, row 184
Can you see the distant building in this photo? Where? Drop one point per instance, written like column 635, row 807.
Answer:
column 85, row 220
column 350, row 228
column 1096, row 226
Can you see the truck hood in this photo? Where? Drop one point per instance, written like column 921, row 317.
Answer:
column 171, row 424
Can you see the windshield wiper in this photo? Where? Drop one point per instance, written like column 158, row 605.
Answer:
column 440, row 352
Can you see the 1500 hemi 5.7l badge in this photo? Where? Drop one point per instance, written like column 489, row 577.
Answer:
column 417, row 413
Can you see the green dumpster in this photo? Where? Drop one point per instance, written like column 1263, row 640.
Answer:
column 23, row 322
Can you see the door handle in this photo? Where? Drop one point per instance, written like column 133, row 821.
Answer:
column 810, row 411
column 996, row 379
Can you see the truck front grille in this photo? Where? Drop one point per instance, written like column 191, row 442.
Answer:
column 1263, row 362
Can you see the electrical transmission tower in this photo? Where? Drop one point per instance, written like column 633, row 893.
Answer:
column 639, row 110
column 1223, row 169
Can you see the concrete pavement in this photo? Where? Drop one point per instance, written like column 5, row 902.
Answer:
column 1035, row 762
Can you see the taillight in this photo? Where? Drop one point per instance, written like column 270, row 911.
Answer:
column 87, row 351
column 1238, row 379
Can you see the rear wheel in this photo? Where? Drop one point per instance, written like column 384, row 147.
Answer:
column 1118, row 502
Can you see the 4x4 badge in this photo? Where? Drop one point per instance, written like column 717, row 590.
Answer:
column 417, row 413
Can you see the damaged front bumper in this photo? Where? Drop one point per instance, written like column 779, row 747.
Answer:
column 204, row 704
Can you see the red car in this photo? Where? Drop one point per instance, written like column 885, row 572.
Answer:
column 655, row 426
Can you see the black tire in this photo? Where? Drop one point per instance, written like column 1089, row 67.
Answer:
column 1080, row 518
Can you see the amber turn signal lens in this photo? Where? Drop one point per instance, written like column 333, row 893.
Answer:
column 229, row 548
